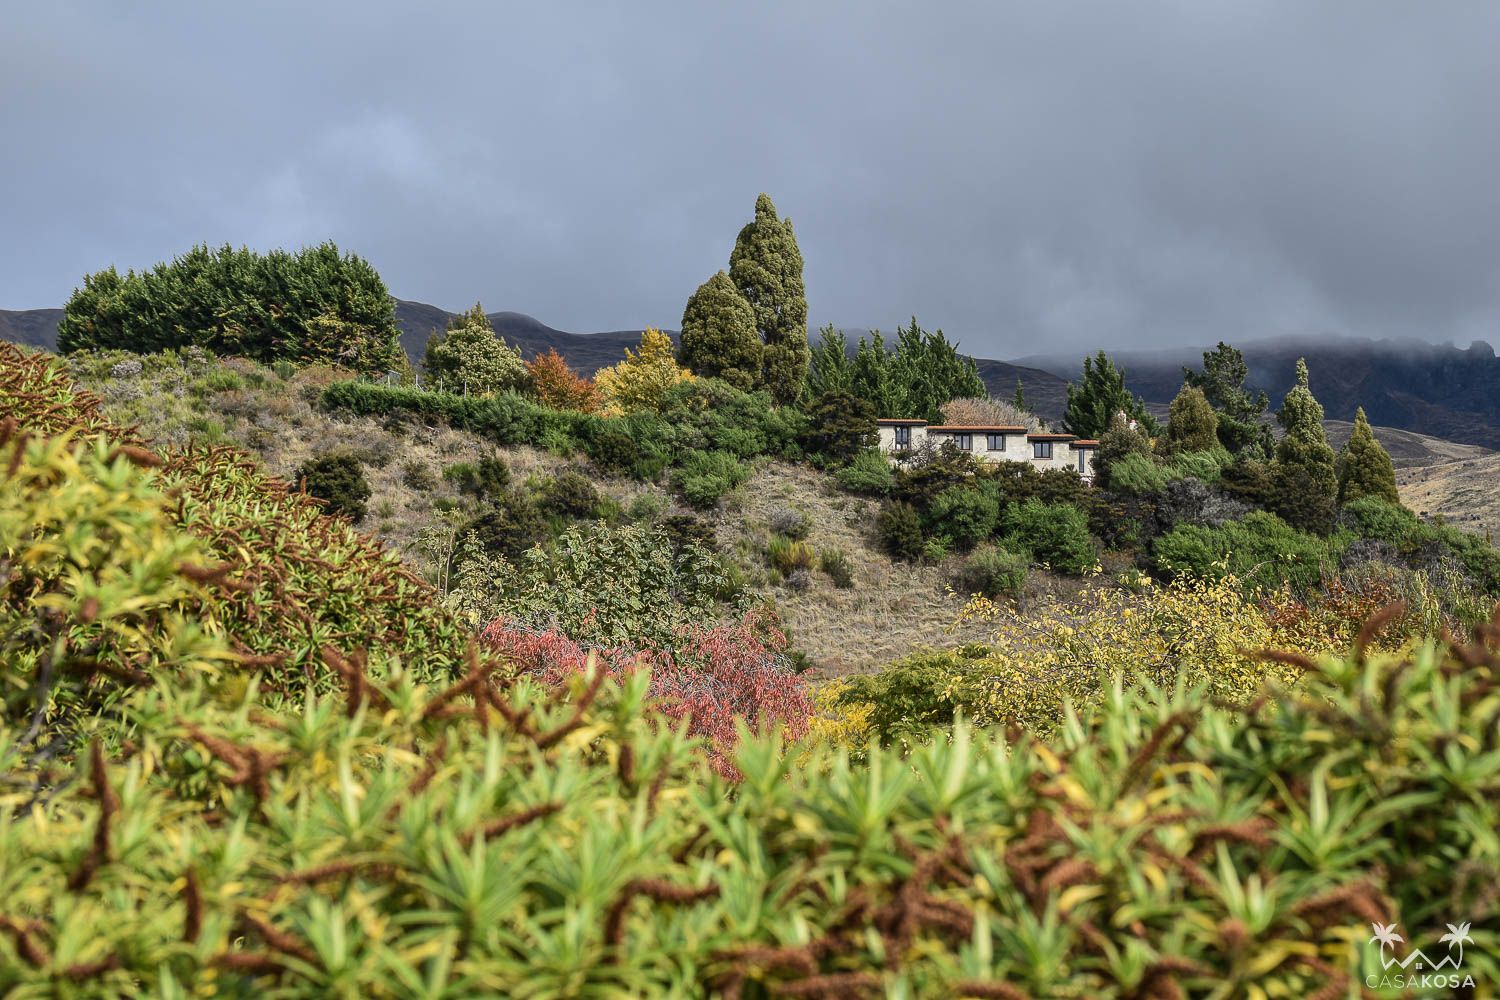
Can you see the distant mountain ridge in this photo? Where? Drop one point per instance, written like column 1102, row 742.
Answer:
column 1433, row 389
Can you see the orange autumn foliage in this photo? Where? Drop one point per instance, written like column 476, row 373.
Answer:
column 558, row 386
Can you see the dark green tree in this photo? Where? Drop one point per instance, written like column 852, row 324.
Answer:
column 1019, row 401
column 766, row 267
column 718, row 334
column 1304, row 485
column 339, row 481
column 913, row 380
column 312, row 305
column 1192, row 424
column 1364, row 467
column 840, row 426
column 830, row 368
column 1222, row 380
column 1098, row 396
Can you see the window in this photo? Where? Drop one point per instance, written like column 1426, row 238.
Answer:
column 903, row 437
column 1041, row 449
column 1082, row 463
column 965, row 442
column 995, row 442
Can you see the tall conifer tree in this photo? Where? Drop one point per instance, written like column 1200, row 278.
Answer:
column 766, row 267
column 1098, row 396
column 1364, row 467
column 1304, row 485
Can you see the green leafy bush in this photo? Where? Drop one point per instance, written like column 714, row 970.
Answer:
column 510, row 524
column 705, row 476
column 1372, row 517
column 1207, row 465
column 869, row 472
column 900, row 529
column 276, row 580
column 912, row 698
column 485, row 479
column 470, row 358
column 840, row 426
column 601, row 585
column 1139, row 474
column 836, row 563
column 991, row 571
column 339, row 481
column 1261, row 550
column 618, row 451
column 786, row 555
column 688, row 529
column 965, row 515
column 711, row 415
column 1054, row 534
column 569, row 494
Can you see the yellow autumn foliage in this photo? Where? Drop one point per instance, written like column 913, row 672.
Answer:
column 641, row 381
column 1194, row 632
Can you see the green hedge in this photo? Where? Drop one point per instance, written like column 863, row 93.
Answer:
column 703, row 416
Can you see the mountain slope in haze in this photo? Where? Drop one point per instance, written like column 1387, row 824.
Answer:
column 31, row 327
column 1434, row 389
column 1046, row 394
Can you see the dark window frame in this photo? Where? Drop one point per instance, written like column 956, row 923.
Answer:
column 990, row 440
column 903, row 436
column 1041, row 449
column 965, row 442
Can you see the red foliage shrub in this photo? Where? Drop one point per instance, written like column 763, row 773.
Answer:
column 712, row 677
column 560, row 387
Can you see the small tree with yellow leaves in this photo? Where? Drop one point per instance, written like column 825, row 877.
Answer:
column 641, row 381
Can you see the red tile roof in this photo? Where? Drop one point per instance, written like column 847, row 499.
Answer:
column 899, row 422
column 978, row 429
column 1085, row 443
column 1050, row 437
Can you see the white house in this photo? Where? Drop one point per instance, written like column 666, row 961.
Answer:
column 992, row 443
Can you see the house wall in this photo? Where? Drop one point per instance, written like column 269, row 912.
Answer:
column 888, row 438
column 1017, row 449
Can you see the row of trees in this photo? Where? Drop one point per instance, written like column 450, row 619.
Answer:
column 1298, row 476
column 911, row 379
column 314, row 304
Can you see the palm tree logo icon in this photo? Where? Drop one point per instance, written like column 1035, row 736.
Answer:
column 1387, row 936
column 1457, row 935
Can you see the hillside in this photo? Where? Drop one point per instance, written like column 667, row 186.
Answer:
column 31, row 327
column 893, row 607
column 1433, row 389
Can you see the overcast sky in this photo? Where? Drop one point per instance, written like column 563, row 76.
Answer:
column 1025, row 176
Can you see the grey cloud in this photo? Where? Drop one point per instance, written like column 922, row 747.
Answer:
column 1026, row 176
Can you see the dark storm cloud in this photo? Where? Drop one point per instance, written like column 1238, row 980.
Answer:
column 1026, row 176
